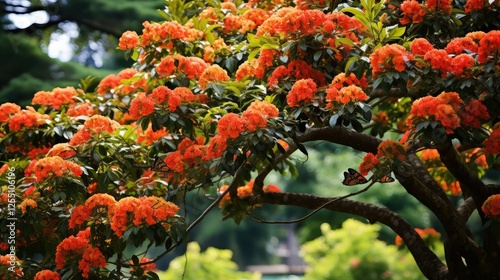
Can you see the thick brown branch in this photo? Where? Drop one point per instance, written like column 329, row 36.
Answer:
column 343, row 136
column 421, row 172
column 471, row 185
column 428, row 262
column 466, row 209
column 457, row 231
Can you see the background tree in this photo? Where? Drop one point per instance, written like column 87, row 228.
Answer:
column 84, row 33
column 230, row 92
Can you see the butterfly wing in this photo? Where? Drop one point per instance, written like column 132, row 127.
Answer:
column 386, row 179
column 353, row 177
column 348, row 179
column 360, row 179
column 160, row 166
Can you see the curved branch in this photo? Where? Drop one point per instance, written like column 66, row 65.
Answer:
column 466, row 209
column 471, row 184
column 343, row 136
column 428, row 262
column 421, row 172
column 458, row 233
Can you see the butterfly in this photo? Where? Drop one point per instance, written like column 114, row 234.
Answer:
column 386, row 179
column 353, row 177
column 160, row 166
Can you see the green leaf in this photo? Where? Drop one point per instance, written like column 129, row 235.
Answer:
column 356, row 125
column 317, row 55
column 333, row 120
column 358, row 14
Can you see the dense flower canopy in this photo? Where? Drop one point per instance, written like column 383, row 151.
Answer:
column 222, row 94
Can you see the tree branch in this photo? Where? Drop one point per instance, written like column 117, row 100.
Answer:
column 458, row 233
column 471, row 185
column 423, row 174
column 428, row 262
column 466, row 208
column 343, row 136
column 97, row 26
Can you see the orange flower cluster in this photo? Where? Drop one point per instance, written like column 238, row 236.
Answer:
column 420, row 46
column 492, row 143
column 489, row 47
column 148, row 137
column 473, row 113
column 143, row 211
column 289, row 21
column 92, row 257
column 191, row 66
column 474, row 5
column 480, row 157
column 212, row 74
column 444, row 6
column 188, row 152
column 145, row 267
column 302, row 91
column 120, row 83
column 63, row 150
column 218, row 46
column 391, row 149
column 230, row 126
column 28, row 118
column 413, row 12
column 442, row 108
column 79, row 215
column 55, row 166
column 141, row 105
column 428, row 233
column 369, row 162
column 38, row 152
column 389, row 57
column 47, row 275
column 95, row 125
column 208, row 13
column 5, row 262
column 452, row 187
column 84, row 109
column 461, row 45
column 491, row 207
column 349, row 94
column 448, row 109
column 298, row 69
column 256, row 15
column 461, row 65
column 430, row 155
column 304, row 4
column 387, row 150
column 27, row 203
column 57, row 97
column 439, row 60
column 340, row 25
column 128, row 40
column 341, row 80
column 78, row 248
column 244, row 192
column 7, row 110
column 108, row 83
column 381, row 118
column 154, row 33
column 238, row 23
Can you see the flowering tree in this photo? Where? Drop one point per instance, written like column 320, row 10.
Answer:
column 221, row 95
